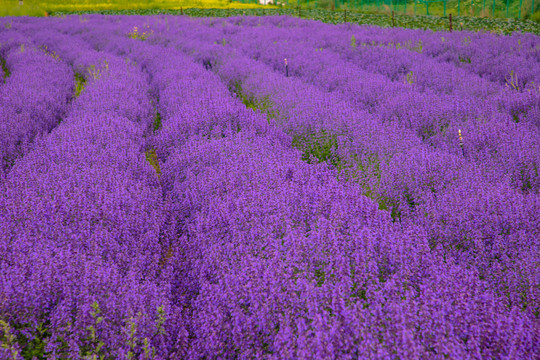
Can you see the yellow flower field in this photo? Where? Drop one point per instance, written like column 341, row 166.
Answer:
column 40, row 8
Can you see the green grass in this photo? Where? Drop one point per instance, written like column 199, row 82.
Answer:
column 5, row 71
column 152, row 158
column 318, row 147
column 157, row 122
column 80, row 81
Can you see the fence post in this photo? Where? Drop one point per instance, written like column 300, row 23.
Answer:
column 458, row 7
column 520, row 4
column 444, row 8
column 461, row 142
column 450, row 19
column 507, row 5
column 493, row 10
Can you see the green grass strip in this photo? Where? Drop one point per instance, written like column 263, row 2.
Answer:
column 152, row 158
column 80, row 82
column 5, row 70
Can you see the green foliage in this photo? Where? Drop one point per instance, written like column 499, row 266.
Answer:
column 132, row 339
column 34, row 348
column 8, row 340
column 512, row 82
column 320, row 276
column 152, row 158
column 419, row 47
column 353, row 42
column 28, row 341
column 265, row 105
column 148, row 353
column 526, row 177
column 365, row 170
column 157, row 122
column 319, row 146
column 136, row 346
column 5, row 70
column 497, row 25
column 80, row 81
column 92, row 348
column 160, row 320
column 410, row 78
column 31, row 339
column 95, row 72
column 325, row 4
column 140, row 34
column 475, row 18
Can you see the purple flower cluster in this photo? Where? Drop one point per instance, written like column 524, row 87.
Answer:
column 81, row 215
column 377, row 198
column 34, row 96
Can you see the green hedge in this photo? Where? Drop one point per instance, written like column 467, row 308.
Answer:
column 502, row 26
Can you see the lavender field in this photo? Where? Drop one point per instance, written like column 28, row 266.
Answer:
column 267, row 187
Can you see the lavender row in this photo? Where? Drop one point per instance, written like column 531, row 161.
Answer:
column 34, row 97
column 81, row 224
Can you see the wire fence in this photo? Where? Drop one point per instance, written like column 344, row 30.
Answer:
column 518, row 9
